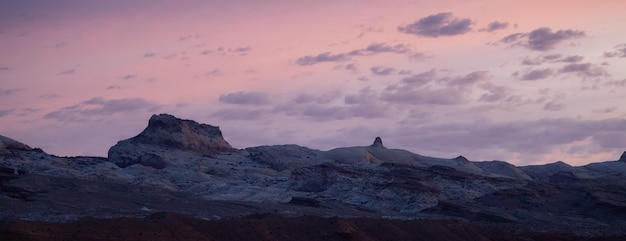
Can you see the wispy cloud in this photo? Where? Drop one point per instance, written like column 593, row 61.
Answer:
column 372, row 49
column 98, row 107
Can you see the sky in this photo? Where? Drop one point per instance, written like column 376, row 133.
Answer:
column 523, row 81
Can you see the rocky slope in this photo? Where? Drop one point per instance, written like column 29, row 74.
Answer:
column 185, row 167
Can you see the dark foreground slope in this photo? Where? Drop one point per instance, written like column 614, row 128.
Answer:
column 164, row 226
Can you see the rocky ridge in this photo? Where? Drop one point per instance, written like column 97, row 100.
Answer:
column 182, row 166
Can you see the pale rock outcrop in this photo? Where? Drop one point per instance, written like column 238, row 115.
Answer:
column 166, row 132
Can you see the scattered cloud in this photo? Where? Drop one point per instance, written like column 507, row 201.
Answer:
column 494, row 26
column 189, row 36
column 98, row 107
column 421, row 78
column 114, row 87
column 553, row 106
column 245, row 98
column 210, row 73
column 606, row 110
column 584, row 69
column 441, row 24
column 4, row 68
column 323, row 57
column 494, row 92
column 552, row 58
column 617, row 83
column 319, row 99
column 372, row 49
column 5, row 112
column 382, row 70
column 6, row 92
column 128, row 76
column 620, row 52
column 206, row 52
column 419, row 57
column 404, row 72
column 539, row 136
column 468, row 79
column 537, row 74
column 572, row 59
column 377, row 48
column 69, row 71
column 542, row 39
column 240, row 49
column 426, row 95
column 149, row 55
column 352, row 68
column 335, row 106
column 239, row 114
column 171, row 56
column 50, row 96
column 59, row 45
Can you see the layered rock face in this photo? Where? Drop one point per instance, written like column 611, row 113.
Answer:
column 166, row 132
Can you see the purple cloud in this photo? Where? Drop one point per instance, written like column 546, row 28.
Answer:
column 469, row 79
column 6, row 92
column 537, row 74
column 241, row 49
column 553, row 106
column 97, row 107
column 542, row 39
column 5, row 112
column 69, row 71
column 441, row 24
column 239, row 114
column 494, row 26
column 442, row 96
column 404, row 72
column 382, row 70
column 620, row 52
column 421, row 78
column 372, row 49
column 606, row 110
column 128, row 76
column 530, row 136
column 494, row 93
column 149, row 55
column 323, row 57
column 572, row 59
column 245, row 98
column 376, row 48
column 584, row 69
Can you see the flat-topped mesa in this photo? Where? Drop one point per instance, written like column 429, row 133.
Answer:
column 378, row 142
column 623, row 157
column 168, row 132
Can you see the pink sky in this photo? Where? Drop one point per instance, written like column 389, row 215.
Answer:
column 527, row 82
